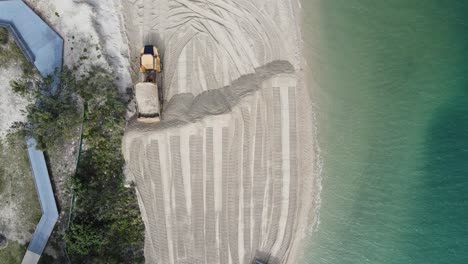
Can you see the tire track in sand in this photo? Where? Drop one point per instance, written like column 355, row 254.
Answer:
column 198, row 209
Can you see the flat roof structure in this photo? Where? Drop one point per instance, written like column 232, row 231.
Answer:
column 46, row 199
column 41, row 45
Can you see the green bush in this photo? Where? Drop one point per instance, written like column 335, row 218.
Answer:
column 82, row 239
column 106, row 225
column 13, row 253
column 20, row 86
column 55, row 115
column 10, row 53
column 3, row 35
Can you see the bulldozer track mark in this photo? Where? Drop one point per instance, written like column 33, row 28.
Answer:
column 259, row 179
column 292, row 210
column 276, row 183
column 180, row 210
column 210, row 218
column 198, row 217
column 223, row 223
column 233, row 194
column 158, row 191
column 246, row 184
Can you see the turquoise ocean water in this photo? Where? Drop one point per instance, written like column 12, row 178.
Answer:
column 392, row 103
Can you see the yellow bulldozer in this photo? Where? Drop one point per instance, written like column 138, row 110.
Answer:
column 149, row 59
column 149, row 97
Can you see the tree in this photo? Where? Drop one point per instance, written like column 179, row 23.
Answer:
column 55, row 115
column 103, row 203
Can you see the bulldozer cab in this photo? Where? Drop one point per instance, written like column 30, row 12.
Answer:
column 149, row 59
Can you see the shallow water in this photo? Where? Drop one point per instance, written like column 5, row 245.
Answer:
column 392, row 100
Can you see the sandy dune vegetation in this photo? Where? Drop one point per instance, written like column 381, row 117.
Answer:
column 229, row 173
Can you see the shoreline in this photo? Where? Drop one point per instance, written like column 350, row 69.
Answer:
column 311, row 216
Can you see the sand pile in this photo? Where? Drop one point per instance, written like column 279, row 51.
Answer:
column 230, row 173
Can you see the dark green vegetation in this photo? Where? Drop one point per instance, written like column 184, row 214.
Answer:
column 55, row 115
column 106, row 226
column 3, row 35
column 11, row 54
column 47, row 259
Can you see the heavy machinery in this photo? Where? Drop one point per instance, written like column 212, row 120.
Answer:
column 149, row 59
column 149, row 97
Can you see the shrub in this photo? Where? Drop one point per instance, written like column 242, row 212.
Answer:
column 11, row 53
column 3, row 35
column 20, row 86
column 106, row 226
column 104, row 206
column 55, row 115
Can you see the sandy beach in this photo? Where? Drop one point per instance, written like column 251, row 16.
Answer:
column 231, row 172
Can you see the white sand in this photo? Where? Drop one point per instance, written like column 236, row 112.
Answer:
column 231, row 172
